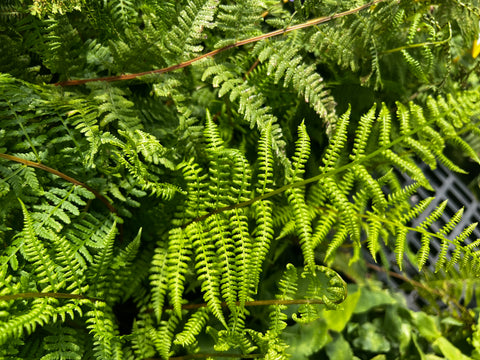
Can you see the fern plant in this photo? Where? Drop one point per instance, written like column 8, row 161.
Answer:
column 203, row 166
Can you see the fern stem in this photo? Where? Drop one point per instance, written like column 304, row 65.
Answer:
column 33, row 295
column 213, row 355
column 427, row 43
column 313, row 22
column 61, row 175
column 261, row 303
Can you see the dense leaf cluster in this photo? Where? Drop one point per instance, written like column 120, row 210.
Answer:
column 218, row 204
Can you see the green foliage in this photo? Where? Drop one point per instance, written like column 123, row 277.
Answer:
column 210, row 209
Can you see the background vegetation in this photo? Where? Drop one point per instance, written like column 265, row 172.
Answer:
column 220, row 179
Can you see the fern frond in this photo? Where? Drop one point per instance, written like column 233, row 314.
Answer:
column 287, row 290
column 179, row 252
column 424, row 251
column 400, row 244
column 36, row 253
column 102, row 261
column 373, row 234
column 341, row 202
column 434, row 215
column 212, row 136
column 415, row 66
column 185, row 37
column 416, row 210
column 337, row 143
column 159, row 280
column 114, row 106
column 338, row 239
column 372, row 186
column 123, row 12
column 220, row 235
column 362, row 134
column 163, row 337
column 62, row 343
column 262, row 238
column 194, row 325
column 73, row 263
column 122, row 265
column 447, row 228
column 323, row 226
column 243, row 253
column 207, row 268
column 296, row 196
column 106, row 342
column 407, row 166
column 265, row 161
column 457, row 242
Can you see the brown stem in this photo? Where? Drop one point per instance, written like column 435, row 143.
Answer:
column 182, row 65
column 216, row 355
column 62, row 175
column 260, row 303
column 212, row 355
column 32, row 295
column 419, row 285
